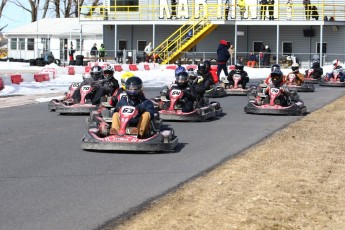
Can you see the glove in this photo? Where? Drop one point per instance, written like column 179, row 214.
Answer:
column 200, row 79
column 140, row 108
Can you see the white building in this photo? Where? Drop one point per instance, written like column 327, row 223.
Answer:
column 33, row 40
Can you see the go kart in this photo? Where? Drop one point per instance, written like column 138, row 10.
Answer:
column 291, row 83
column 260, row 105
column 99, row 138
column 216, row 90
column 334, row 81
column 54, row 103
column 172, row 109
column 309, row 79
column 236, row 89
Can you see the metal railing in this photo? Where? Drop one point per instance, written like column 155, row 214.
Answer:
column 295, row 12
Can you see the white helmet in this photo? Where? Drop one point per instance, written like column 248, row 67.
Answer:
column 335, row 63
column 295, row 67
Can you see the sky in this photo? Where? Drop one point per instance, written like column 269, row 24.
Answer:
column 14, row 16
column 158, row 76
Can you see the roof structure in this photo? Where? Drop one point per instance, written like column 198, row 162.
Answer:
column 56, row 26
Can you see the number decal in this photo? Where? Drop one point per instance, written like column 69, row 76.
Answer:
column 86, row 88
column 237, row 76
column 176, row 92
column 127, row 110
column 274, row 90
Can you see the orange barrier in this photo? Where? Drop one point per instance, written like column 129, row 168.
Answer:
column 16, row 79
column 146, row 67
column 173, row 67
column 2, row 86
column 39, row 77
column 133, row 67
column 118, row 68
column 71, row 70
column 192, row 66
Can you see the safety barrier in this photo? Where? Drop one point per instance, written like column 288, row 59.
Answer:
column 16, row 79
column 2, row 86
column 39, row 77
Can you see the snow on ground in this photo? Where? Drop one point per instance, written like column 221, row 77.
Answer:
column 156, row 77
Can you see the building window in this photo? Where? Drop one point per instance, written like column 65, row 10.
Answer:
column 78, row 44
column 324, row 48
column 257, row 46
column 13, row 43
column 141, row 45
column 122, row 45
column 124, row 5
column 31, row 44
column 21, row 43
column 287, row 48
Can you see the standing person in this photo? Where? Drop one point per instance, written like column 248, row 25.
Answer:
column 263, row 9
column 223, row 56
column 227, row 9
column 147, row 52
column 307, row 8
column 232, row 53
column 94, row 52
column 271, row 9
column 289, row 10
column 242, row 5
column 173, row 9
column 101, row 53
column 71, row 53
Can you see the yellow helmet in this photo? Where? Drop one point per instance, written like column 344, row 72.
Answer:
column 124, row 78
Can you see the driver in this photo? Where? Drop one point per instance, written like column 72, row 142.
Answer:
column 337, row 71
column 298, row 77
column 315, row 71
column 238, row 70
column 278, row 82
column 135, row 97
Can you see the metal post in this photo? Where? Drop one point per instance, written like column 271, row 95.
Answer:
column 277, row 53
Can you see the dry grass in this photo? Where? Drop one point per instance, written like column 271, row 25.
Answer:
column 293, row 180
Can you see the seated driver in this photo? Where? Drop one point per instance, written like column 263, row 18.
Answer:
column 336, row 72
column 273, row 67
column 298, row 77
column 238, row 70
column 122, row 90
column 135, row 97
column 316, row 71
column 277, row 82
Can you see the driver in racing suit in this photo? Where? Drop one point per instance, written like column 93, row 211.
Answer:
column 122, row 90
column 315, row 71
column 238, row 70
column 299, row 77
column 337, row 71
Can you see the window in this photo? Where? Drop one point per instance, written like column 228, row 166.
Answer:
column 78, row 44
column 287, row 48
column 13, row 43
column 122, row 45
column 131, row 5
column 141, row 45
column 22, row 43
column 31, row 44
column 257, row 46
column 324, row 48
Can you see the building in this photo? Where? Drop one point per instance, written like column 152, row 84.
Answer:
column 288, row 29
column 53, row 35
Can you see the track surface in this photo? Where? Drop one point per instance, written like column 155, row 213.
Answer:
column 48, row 182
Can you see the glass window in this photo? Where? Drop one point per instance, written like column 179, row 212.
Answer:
column 13, row 43
column 22, row 43
column 324, row 48
column 31, row 44
column 287, row 48
column 122, row 45
column 124, row 5
column 141, row 45
column 257, row 46
column 78, row 44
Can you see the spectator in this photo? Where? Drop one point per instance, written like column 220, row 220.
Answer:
column 71, row 53
column 232, row 53
column 289, row 10
column 252, row 60
column 267, row 56
column 101, row 53
column 314, row 13
column 271, row 9
column 147, row 52
column 307, row 8
column 223, row 56
column 263, row 9
column 94, row 52
column 227, row 9
column 242, row 5
column 173, row 9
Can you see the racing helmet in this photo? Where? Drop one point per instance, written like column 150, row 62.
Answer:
column 178, row 62
column 335, row 63
column 276, row 77
column 295, row 67
column 207, row 64
column 182, row 79
column 134, row 87
column 239, row 67
column 274, row 67
column 192, row 76
column 316, row 64
column 96, row 72
column 108, row 71
column 179, row 69
column 201, row 68
column 124, row 78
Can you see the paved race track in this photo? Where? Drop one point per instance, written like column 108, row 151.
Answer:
column 48, row 182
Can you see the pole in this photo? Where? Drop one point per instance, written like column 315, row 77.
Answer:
column 81, row 40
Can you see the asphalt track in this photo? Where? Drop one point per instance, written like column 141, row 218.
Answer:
column 48, row 182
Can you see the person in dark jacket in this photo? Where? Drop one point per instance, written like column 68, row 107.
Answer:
column 316, row 71
column 263, row 9
column 120, row 92
column 195, row 81
column 239, row 69
column 135, row 97
column 223, row 56
column 206, row 75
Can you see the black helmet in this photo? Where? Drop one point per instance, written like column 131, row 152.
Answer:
column 182, row 79
column 108, row 71
column 207, row 64
column 134, row 87
column 96, row 72
column 201, row 67
column 316, row 64
column 295, row 67
column 276, row 77
column 239, row 66
column 274, row 67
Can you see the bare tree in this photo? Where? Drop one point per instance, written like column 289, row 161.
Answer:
column 2, row 6
column 32, row 9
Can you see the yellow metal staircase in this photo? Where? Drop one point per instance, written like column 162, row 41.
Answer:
column 184, row 38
